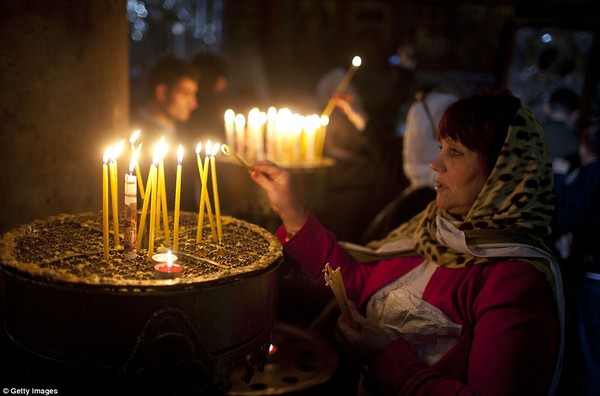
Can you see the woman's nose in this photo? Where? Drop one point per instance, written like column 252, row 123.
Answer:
column 437, row 164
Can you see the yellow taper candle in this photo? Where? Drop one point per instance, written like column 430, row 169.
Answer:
column 177, row 199
column 153, row 205
column 216, row 191
column 105, row 238
column 162, row 208
column 204, row 199
column 146, row 204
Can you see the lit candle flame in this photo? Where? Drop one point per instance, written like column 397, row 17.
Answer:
column 180, row 154
column 134, row 159
column 215, row 149
column 162, row 149
column 134, row 136
column 107, row 155
column 169, row 259
column 229, row 116
column 199, row 148
column 117, row 151
column 356, row 61
column 240, row 120
column 156, row 154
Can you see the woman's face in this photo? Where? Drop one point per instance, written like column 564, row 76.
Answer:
column 459, row 178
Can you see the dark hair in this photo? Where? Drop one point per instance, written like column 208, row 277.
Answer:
column 169, row 71
column 210, row 67
column 480, row 123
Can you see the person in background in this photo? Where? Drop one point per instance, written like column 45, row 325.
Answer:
column 464, row 298
column 356, row 185
column 559, row 120
column 577, row 220
column 420, row 146
column 206, row 121
column 171, row 89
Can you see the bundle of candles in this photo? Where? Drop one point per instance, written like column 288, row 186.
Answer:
column 155, row 199
column 333, row 279
column 277, row 134
column 281, row 135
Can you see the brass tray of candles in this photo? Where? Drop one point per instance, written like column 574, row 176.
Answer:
column 69, row 248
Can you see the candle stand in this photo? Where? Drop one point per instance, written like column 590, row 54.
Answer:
column 81, row 324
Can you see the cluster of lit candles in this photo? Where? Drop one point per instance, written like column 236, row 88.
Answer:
column 277, row 134
column 154, row 209
column 281, row 135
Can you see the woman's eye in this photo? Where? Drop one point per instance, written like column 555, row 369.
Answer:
column 455, row 152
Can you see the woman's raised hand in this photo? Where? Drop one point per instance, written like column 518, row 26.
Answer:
column 277, row 183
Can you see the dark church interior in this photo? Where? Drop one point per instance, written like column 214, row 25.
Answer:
column 74, row 74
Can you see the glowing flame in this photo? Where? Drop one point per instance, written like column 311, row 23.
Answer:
column 134, row 159
column 180, row 154
column 229, row 116
column 356, row 61
column 240, row 120
column 199, row 148
column 134, row 136
column 117, row 151
column 169, row 259
column 107, row 155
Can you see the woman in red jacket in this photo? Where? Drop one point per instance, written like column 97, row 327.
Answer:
column 465, row 298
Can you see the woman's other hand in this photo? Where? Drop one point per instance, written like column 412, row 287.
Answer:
column 366, row 341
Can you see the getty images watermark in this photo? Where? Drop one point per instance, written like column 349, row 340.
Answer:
column 29, row 391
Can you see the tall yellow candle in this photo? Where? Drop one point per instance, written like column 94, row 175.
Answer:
column 177, row 199
column 209, row 213
column 138, row 174
column 153, row 205
column 162, row 208
column 113, row 175
column 130, row 221
column 201, row 205
column 204, row 200
column 229, row 118
column 105, row 238
column 146, row 204
column 216, row 192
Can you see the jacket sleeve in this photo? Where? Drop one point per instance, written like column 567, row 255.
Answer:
column 313, row 246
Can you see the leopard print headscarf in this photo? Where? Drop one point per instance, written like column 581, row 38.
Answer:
column 514, row 206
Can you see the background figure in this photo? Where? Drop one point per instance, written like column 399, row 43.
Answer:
column 213, row 88
column 420, row 146
column 170, row 98
column 559, row 120
column 577, row 221
column 357, row 186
